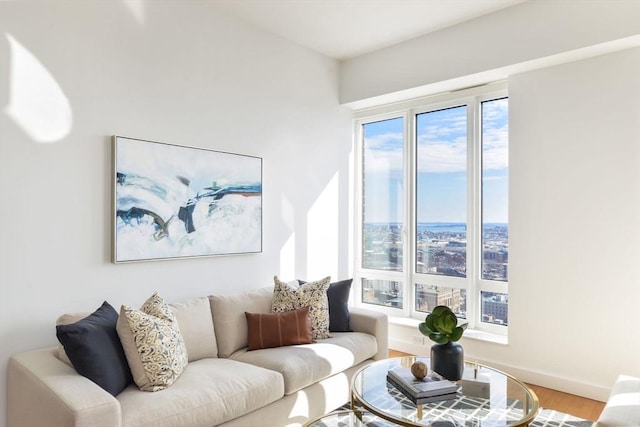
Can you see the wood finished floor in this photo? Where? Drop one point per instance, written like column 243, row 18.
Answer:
column 553, row 399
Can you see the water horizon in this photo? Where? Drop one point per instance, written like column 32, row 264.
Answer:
column 436, row 224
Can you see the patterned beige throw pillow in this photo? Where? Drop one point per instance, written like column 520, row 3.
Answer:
column 152, row 343
column 312, row 294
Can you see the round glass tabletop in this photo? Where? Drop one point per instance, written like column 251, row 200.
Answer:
column 486, row 397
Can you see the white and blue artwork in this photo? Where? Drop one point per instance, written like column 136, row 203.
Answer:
column 174, row 201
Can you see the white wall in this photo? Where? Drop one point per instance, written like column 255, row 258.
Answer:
column 575, row 220
column 489, row 48
column 176, row 72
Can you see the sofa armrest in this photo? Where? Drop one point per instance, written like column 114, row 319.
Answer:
column 623, row 405
column 374, row 323
column 44, row 391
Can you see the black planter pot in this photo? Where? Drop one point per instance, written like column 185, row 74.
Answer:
column 448, row 360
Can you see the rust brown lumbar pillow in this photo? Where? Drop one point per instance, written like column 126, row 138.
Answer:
column 267, row 330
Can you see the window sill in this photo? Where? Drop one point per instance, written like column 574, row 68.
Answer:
column 473, row 334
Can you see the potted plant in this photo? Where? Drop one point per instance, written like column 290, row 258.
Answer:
column 447, row 355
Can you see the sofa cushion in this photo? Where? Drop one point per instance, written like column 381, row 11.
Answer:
column 152, row 343
column 229, row 320
column 196, row 326
column 312, row 294
column 93, row 347
column 209, row 392
column 268, row 330
column 302, row 365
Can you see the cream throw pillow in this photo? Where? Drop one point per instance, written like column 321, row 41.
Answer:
column 152, row 343
column 312, row 294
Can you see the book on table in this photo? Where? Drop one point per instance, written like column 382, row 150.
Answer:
column 431, row 388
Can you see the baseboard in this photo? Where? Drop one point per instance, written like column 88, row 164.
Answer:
column 566, row 385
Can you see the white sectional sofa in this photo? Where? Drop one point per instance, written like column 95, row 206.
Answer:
column 223, row 384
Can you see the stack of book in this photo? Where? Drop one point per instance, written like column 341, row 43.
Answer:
column 431, row 388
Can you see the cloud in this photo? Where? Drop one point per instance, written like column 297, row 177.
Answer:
column 495, row 148
column 495, row 110
column 442, row 156
column 383, row 153
column 442, row 142
column 494, row 178
column 495, row 134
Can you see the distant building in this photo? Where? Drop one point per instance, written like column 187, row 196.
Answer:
column 495, row 309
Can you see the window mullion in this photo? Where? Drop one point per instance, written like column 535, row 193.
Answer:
column 407, row 231
column 474, row 210
column 411, row 216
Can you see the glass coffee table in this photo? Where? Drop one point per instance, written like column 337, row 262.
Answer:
column 486, row 398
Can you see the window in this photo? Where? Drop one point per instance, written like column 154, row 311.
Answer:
column 433, row 223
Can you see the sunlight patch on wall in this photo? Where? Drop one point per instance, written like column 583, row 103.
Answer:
column 322, row 233
column 136, row 7
column 288, row 250
column 288, row 259
column 36, row 102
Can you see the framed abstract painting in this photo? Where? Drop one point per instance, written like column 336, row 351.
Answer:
column 173, row 201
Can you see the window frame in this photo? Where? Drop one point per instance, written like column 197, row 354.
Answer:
column 359, row 270
column 473, row 282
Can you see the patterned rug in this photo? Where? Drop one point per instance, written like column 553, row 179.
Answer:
column 545, row 418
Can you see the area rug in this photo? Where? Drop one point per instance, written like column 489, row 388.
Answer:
column 545, row 418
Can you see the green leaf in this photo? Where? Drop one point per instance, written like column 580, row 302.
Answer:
column 440, row 310
column 439, row 339
column 448, row 323
column 457, row 334
column 424, row 329
column 430, row 323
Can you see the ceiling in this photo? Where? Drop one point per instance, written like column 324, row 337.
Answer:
column 343, row 29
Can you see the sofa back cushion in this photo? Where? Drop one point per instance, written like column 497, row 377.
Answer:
column 196, row 326
column 229, row 320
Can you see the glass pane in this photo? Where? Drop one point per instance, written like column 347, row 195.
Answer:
column 441, row 192
column 429, row 296
column 495, row 189
column 382, row 195
column 382, row 292
column 495, row 308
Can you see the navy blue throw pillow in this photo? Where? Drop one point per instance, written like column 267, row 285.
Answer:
column 94, row 349
column 338, row 296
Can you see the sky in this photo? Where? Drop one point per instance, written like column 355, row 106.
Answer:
column 441, row 164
